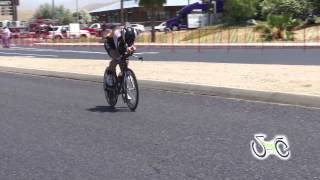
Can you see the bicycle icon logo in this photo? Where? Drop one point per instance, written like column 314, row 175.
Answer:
column 278, row 146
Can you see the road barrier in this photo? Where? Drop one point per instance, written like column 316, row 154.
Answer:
column 202, row 38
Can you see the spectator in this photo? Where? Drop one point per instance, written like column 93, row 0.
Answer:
column 6, row 35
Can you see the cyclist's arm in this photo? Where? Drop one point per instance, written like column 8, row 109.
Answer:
column 131, row 49
column 116, row 37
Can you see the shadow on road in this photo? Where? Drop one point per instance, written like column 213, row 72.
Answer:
column 105, row 109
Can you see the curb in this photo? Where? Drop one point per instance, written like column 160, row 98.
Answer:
column 273, row 97
column 214, row 45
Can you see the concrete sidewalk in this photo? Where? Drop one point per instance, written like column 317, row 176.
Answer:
column 286, row 79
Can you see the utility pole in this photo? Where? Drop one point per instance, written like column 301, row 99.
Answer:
column 77, row 10
column 14, row 13
column 121, row 12
column 13, row 4
column 53, row 13
column 188, row 2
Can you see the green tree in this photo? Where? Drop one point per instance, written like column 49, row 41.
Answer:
column 44, row 11
column 60, row 12
column 259, row 9
column 239, row 10
column 294, row 8
column 152, row 6
column 63, row 15
column 84, row 16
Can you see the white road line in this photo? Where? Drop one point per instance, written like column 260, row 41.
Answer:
column 57, row 50
column 17, row 47
column 138, row 53
column 22, row 54
column 72, row 51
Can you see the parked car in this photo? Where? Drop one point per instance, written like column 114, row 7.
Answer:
column 140, row 28
column 251, row 22
column 63, row 32
column 93, row 28
column 22, row 32
column 105, row 28
column 175, row 24
column 41, row 27
column 161, row 27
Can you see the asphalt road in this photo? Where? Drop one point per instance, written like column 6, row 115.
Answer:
column 62, row 129
column 216, row 55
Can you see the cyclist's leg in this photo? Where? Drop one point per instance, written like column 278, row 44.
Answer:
column 113, row 63
column 112, row 66
column 111, row 70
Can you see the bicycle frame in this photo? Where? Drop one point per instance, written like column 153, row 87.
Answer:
column 123, row 64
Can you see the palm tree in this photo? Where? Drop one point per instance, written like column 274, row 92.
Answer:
column 152, row 6
column 278, row 27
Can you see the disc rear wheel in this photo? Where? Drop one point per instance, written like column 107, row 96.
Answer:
column 111, row 94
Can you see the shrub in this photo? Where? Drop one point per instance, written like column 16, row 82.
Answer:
column 294, row 8
column 278, row 27
column 239, row 10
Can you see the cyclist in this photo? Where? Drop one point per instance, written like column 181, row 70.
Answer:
column 119, row 41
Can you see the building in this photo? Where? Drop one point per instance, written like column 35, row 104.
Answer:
column 134, row 13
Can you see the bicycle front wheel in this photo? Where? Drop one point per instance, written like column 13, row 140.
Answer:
column 131, row 90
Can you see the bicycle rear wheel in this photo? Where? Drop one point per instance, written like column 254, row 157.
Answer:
column 131, row 90
column 111, row 94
